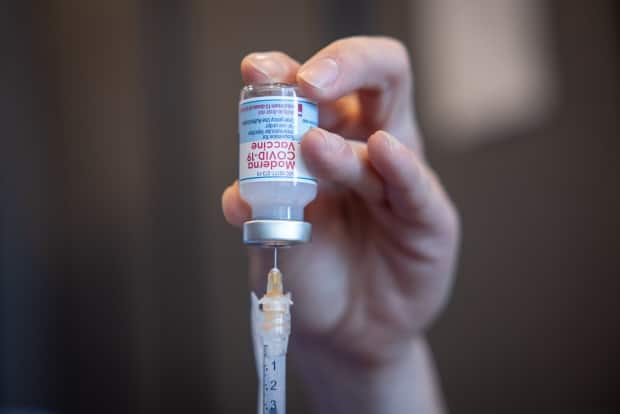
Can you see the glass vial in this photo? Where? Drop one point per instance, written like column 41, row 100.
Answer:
column 273, row 178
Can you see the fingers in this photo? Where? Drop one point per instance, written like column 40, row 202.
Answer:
column 264, row 67
column 348, row 65
column 374, row 71
column 268, row 67
column 382, row 170
column 378, row 67
column 236, row 210
column 412, row 190
column 332, row 158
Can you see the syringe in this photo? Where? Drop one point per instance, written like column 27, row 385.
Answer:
column 274, row 333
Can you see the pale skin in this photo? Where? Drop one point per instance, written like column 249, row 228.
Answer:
column 385, row 233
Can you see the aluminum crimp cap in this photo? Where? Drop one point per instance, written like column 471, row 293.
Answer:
column 276, row 232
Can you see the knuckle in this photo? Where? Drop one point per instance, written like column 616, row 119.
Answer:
column 398, row 47
column 348, row 48
column 401, row 56
column 356, row 49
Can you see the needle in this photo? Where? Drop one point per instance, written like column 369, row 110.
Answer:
column 275, row 257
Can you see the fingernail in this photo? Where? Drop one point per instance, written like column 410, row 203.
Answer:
column 335, row 143
column 321, row 73
column 331, row 142
column 391, row 142
column 269, row 67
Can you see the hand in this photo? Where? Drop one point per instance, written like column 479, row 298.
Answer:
column 385, row 234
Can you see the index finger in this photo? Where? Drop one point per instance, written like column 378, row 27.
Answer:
column 376, row 67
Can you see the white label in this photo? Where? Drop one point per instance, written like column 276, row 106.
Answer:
column 270, row 131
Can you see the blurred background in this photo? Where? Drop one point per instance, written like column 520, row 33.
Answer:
column 123, row 290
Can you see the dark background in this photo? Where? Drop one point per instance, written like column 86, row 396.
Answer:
column 123, row 290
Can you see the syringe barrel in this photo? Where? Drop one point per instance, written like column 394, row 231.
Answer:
column 274, row 332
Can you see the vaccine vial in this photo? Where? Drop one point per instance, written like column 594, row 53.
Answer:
column 273, row 178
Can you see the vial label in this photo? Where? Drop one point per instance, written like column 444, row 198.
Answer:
column 270, row 132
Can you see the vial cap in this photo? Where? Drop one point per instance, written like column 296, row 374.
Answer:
column 273, row 233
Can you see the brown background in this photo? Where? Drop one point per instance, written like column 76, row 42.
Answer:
column 123, row 290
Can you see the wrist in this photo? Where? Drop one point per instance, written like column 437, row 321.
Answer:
column 338, row 385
